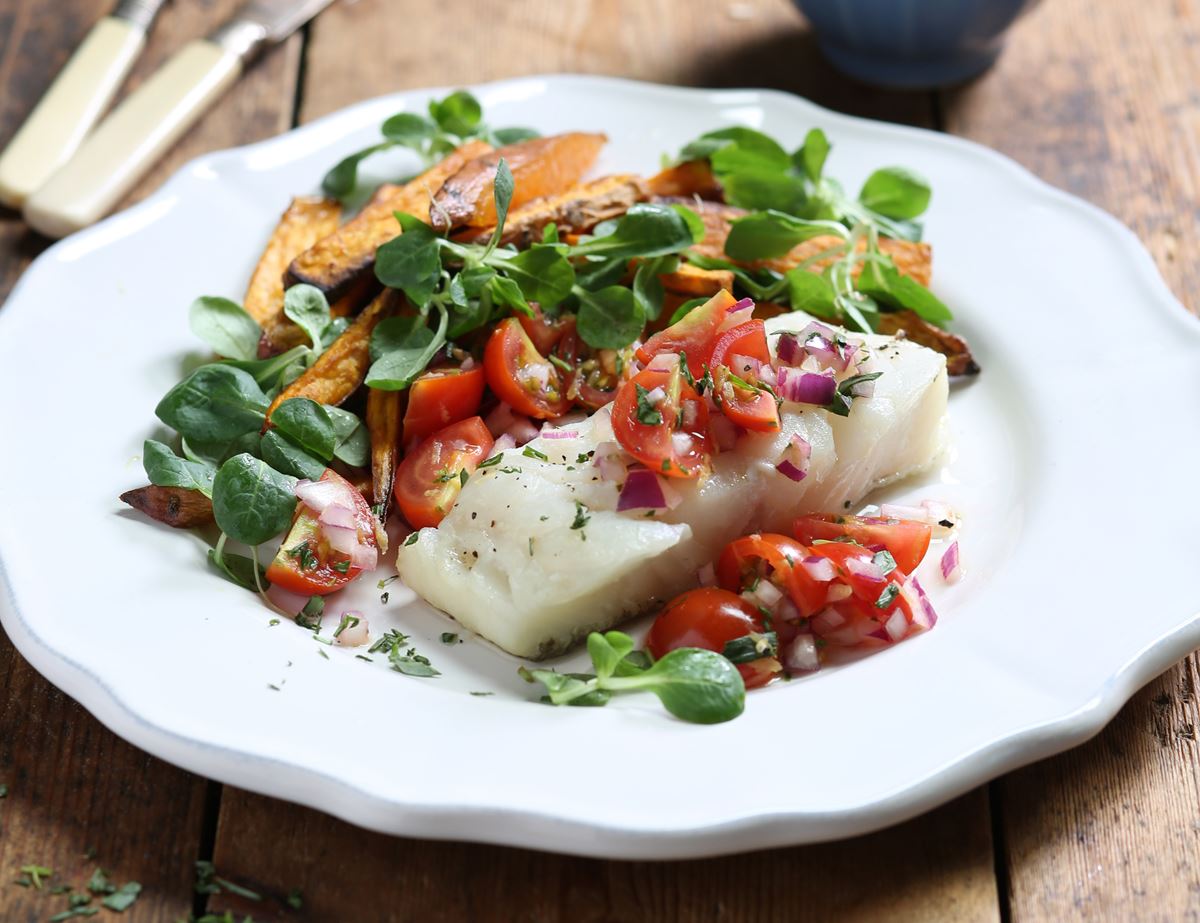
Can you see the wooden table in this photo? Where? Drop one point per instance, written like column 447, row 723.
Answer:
column 1101, row 98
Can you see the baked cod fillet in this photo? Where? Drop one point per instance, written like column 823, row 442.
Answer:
column 534, row 556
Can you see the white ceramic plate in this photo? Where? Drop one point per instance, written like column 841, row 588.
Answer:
column 1070, row 453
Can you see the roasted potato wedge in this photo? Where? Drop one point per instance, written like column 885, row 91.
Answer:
column 575, row 211
column 689, row 180
column 307, row 220
column 383, row 423
column 333, row 263
column 905, row 323
column 540, row 167
column 177, row 507
column 339, row 370
column 284, row 334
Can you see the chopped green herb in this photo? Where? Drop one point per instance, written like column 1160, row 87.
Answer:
column 295, row 899
column 364, row 657
column 583, row 457
column 304, row 556
column 489, row 462
column 342, row 567
column 389, row 641
column 885, row 561
column 530, row 452
column 449, row 637
column 581, row 516
column 463, row 474
column 885, row 598
column 482, row 693
column 412, row 539
column 531, row 546
column 123, row 898
column 411, row 663
column 36, row 873
column 753, row 646
column 384, row 597
column 273, row 622
column 647, row 413
column 348, row 621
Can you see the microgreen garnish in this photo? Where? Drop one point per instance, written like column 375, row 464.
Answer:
column 694, row 685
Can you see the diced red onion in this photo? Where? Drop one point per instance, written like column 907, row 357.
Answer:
column 896, row 625
column 786, row 611
column 641, row 491
column 681, row 443
column 707, row 575
column 766, row 375
column 742, row 305
column 724, row 432
column 938, row 511
column 868, row 570
column 787, row 348
column 286, row 601
column 338, row 516
column 664, row 362
column 923, row 615
column 610, row 459
column 737, row 313
column 828, row 619
column 468, row 363
column 805, row 387
column 355, row 633
column 502, row 420
column 503, row 444
column 691, row 415
column 319, row 495
column 788, row 470
column 767, row 593
column 951, row 566
column 879, row 634
column 819, row 568
column 656, row 396
column 800, row 655
column 902, row 511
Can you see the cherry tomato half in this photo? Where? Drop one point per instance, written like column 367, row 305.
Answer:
column 748, row 339
column 441, row 397
column 668, row 436
column 907, row 541
column 694, row 334
column 593, row 382
column 709, row 618
column 749, row 407
column 520, row 375
column 429, row 478
column 544, row 331
column 306, row 564
column 773, row 557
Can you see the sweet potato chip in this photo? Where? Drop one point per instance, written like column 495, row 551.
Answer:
column 694, row 282
column 334, row 262
column 307, row 220
column 905, row 323
column 575, row 211
column 177, row 507
column 688, row 180
column 540, row 167
column 339, row 370
column 383, row 423
column 283, row 334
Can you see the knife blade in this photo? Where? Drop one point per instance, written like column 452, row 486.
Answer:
column 77, row 98
column 143, row 126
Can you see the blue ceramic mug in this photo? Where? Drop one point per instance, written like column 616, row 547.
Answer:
column 912, row 43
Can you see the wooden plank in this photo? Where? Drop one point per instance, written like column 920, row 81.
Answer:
column 937, row 867
column 1107, row 831
column 72, row 785
column 703, row 43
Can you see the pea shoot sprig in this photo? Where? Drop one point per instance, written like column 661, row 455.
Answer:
column 695, row 685
column 461, row 287
column 792, row 200
column 451, row 121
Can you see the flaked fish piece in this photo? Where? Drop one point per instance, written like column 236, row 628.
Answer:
column 534, row 555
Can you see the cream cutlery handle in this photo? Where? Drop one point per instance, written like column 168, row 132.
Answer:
column 132, row 138
column 71, row 106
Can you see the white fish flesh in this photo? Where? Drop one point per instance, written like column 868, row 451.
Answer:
column 534, row 556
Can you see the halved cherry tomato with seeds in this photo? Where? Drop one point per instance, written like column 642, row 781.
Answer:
column 306, row 563
column 751, row 408
column 521, row 376
column 440, row 397
column 430, row 477
column 545, row 331
column 775, row 557
column 748, row 339
column 695, row 333
column 660, row 420
column 906, row 540
column 709, row 618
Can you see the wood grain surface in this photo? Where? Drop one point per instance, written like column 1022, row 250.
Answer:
column 1088, row 96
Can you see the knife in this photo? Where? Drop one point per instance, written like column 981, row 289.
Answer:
column 151, row 119
column 76, row 99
